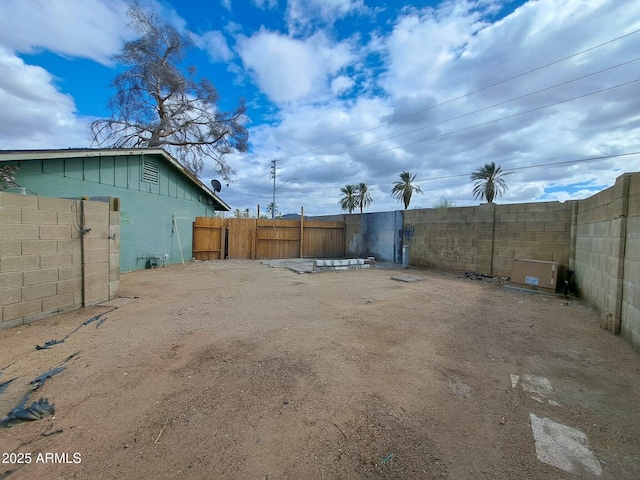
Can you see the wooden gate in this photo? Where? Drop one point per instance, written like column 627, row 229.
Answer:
column 209, row 238
column 217, row 238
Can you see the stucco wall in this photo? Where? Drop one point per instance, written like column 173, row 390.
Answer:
column 372, row 234
column 47, row 265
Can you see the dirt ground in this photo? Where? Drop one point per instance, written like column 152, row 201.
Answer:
column 234, row 369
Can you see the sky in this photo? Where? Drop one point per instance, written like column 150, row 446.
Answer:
column 348, row 91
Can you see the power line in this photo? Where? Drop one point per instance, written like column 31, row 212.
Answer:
column 260, row 179
column 455, row 99
column 567, row 162
column 459, row 175
column 457, row 117
column 466, row 94
column 474, row 126
column 513, row 169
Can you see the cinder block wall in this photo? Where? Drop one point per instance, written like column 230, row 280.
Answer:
column 598, row 238
column 483, row 239
column 46, row 265
column 531, row 231
column 630, row 309
column 452, row 238
column 486, row 239
column 607, row 254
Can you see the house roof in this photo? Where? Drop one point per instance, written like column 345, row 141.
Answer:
column 24, row 155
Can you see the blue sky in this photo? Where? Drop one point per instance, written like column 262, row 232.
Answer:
column 349, row 91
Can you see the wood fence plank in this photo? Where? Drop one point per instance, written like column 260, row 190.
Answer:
column 260, row 238
column 301, row 232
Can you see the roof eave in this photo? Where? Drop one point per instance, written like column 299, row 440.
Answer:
column 20, row 155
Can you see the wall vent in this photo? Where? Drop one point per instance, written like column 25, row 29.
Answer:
column 149, row 171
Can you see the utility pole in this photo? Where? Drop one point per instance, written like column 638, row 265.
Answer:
column 273, row 175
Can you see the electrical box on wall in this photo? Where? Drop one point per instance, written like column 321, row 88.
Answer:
column 535, row 274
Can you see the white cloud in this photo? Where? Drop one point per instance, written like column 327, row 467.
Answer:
column 423, row 42
column 576, row 195
column 215, row 44
column 341, row 84
column 288, row 69
column 34, row 114
column 365, row 106
column 303, row 13
column 434, row 55
column 79, row 28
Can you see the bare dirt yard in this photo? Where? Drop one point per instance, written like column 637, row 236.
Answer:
column 237, row 370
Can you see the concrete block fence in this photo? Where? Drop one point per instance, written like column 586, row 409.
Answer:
column 607, row 253
column 55, row 255
column 598, row 238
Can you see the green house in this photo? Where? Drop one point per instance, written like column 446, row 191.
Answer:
column 158, row 198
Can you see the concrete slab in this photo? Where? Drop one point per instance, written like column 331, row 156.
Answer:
column 539, row 387
column 563, row 447
column 298, row 269
column 406, row 278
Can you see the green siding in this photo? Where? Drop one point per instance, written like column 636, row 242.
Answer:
column 146, row 216
column 74, row 168
column 171, row 183
column 36, row 166
column 120, row 171
column 133, row 172
column 107, row 171
column 164, row 180
column 55, row 168
column 91, row 169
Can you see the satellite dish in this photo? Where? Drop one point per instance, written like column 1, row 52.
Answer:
column 217, row 186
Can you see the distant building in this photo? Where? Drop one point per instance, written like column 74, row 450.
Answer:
column 158, row 198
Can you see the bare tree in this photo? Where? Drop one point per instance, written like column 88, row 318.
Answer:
column 157, row 104
column 444, row 202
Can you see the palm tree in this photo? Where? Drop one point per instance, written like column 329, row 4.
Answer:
column 272, row 208
column 363, row 196
column 403, row 189
column 350, row 200
column 489, row 182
